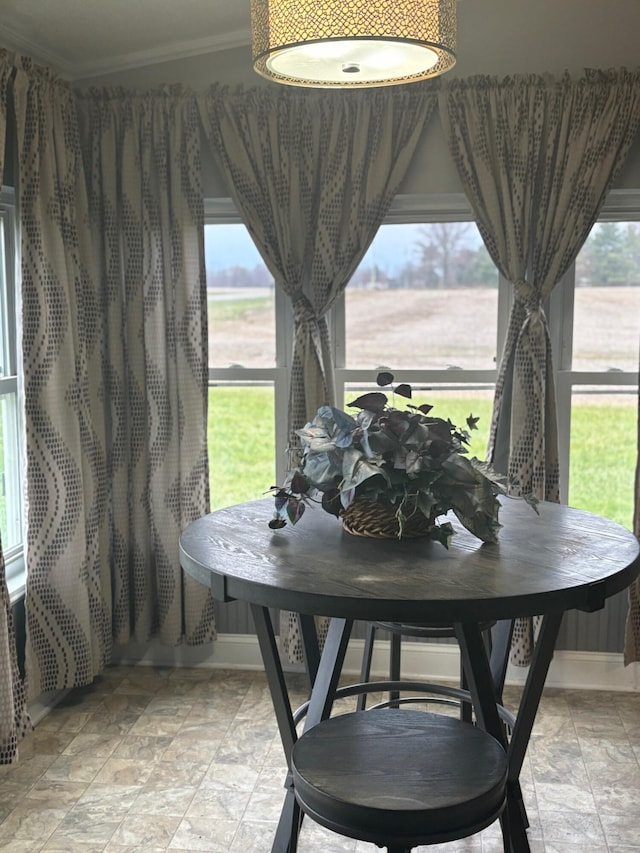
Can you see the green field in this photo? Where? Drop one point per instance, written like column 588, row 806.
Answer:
column 241, row 441
column 225, row 310
column 603, row 449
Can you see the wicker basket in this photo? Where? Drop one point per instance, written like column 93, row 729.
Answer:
column 364, row 517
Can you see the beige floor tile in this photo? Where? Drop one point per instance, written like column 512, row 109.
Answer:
column 253, row 836
column 621, row 830
column 206, row 835
column 220, row 804
column 146, row 830
column 31, row 823
column 223, row 775
column 575, row 828
column 164, row 800
column 189, row 761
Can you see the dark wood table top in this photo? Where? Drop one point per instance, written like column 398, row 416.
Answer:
column 561, row 560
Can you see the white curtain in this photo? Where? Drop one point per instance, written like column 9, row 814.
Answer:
column 147, row 212
column 313, row 175
column 536, row 156
column 68, row 600
column 115, row 377
column 14, row 722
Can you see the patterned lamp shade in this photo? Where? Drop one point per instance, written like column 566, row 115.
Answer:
column 353, row 43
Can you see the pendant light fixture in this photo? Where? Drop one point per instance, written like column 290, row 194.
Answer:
column 352, row 43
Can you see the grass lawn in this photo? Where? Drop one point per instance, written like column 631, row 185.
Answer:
column 603, row 449
column 603, row 460
column 241, row 440
column 225, row 310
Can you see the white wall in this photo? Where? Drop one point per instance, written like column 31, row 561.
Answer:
column 498, row 37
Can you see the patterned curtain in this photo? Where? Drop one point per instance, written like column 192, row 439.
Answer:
column 146, row 208
column 68, row 599
column 313, row 175
column 632, row 631
column 536, row 157
column 14, row 721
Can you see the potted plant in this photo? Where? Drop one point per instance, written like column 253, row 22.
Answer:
column 389, row 472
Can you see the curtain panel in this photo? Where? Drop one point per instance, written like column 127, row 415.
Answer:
column 14, row 721
column 143, row 170
column 312, row 175
column 68, row 599
column 536, row 156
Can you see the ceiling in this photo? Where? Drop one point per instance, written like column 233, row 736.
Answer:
column 84, row 38
column 81, row 39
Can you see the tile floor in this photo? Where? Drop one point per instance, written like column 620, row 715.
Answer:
column 185, row 760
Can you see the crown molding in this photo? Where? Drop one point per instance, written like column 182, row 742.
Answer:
column 13, row 40
column 165, row 53
column 97, row 67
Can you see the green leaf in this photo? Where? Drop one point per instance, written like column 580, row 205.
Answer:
column 356, row 468
column 341, row 419
column 295, row 510
column 384, row 378
column 426, row 503
column 442, row 533
column 374, row 401
column 459, row 470
column 300, row 485
column 403, row 391
column 331, row 502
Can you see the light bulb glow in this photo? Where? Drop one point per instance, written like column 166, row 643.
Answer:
column 360, row 43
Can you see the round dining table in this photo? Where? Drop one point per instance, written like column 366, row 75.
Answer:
column 544, row 564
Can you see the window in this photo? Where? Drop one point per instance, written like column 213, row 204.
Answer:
column 597, row 335
column 427, row 303
column 424, row 296
column 250, row 333
column 248, row 351
column 11, row 441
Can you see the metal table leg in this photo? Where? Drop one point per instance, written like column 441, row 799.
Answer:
column 310, row 646
column 525, row 718
column 483, row 690
column 501, row 635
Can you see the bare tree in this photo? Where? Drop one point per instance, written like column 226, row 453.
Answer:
column 439, row 248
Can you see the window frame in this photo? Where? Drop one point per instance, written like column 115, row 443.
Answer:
column 423, row 209
column 222, row 211
column 620, row 205
column 11, row 380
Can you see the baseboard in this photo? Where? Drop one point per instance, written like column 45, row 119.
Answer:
column 40, row 707
column 431, row 661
